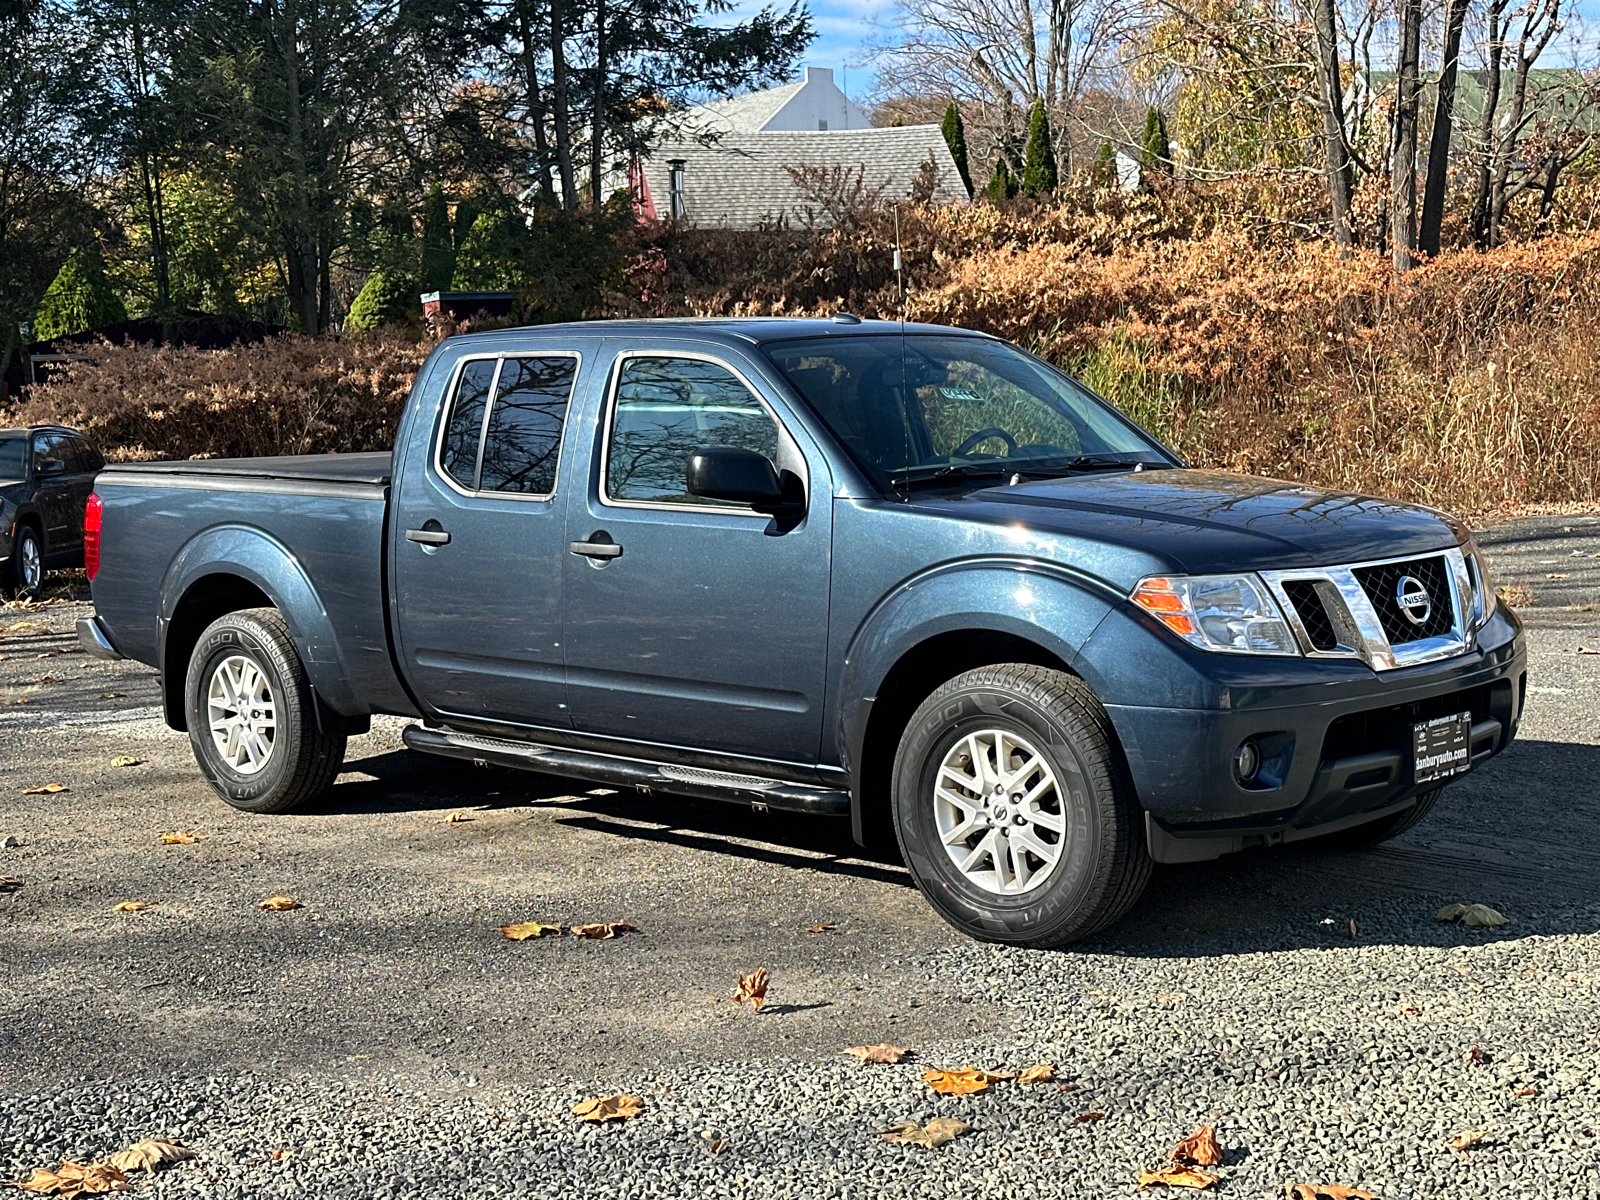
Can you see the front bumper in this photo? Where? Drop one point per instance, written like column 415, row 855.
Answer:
column 1337, row 747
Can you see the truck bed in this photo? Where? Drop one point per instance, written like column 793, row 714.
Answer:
column 373, row 468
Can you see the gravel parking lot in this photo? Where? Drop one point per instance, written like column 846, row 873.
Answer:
column 383, row 1040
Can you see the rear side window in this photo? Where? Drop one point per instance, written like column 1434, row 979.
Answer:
column 530, row 410
column 665, row 410
column 89, row 459
column 458, row 455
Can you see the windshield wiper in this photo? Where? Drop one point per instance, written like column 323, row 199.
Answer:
column 955, row 472
column 952, row 472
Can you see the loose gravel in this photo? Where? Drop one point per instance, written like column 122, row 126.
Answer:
column 1309, row 1005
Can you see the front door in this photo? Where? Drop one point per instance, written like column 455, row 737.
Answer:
column 695, row 623
column 480, row 544
column 52, row 469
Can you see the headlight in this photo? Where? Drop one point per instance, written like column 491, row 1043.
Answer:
column 1234, row 613
column 1480, row 603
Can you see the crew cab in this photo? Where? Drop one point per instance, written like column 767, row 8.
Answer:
column 46, row 475
column 911, row 574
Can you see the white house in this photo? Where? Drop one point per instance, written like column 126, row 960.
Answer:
column 730, row 164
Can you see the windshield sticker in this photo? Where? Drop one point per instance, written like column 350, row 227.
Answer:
column 960, row 393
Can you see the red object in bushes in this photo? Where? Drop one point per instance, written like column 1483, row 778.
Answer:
column 91, row 536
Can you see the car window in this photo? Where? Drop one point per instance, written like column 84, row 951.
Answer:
column 46, row 446
column 13, row 458
column 458, row 450
column 70, row 451
column 667, row 408
column 530, row 409
column 89, row 459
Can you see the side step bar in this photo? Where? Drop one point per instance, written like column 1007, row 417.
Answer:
column 758, row 792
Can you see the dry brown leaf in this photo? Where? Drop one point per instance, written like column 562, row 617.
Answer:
column 752, row 987
column 881, row 1053
column 1199, row 1149
column 1467, row 1139
column 1085, row 1118
column 963, row 1082
column 600, row 931
column 1557, row 575
column 1409, row 1010
column 1326, row 1191
column 1525, row 1092
column 150, row 1154
column 47, row 679
column 8, row 884
column 46, row 654
column 608, row 1108
column 1043, row 1073
column 1178, row 1176
column 936, row 1132
column 456, row 818
column 527, row 929
column 131, row 906
column 30, row 626
column 1476, row 1056
column 70, row 1180
column 127, row 760
column 278, row 904
column 819, row 927
column 13, row 701
column 1473, row 916
column 1063, row 1088
column 181, row 838
column 111, row 695
column 47, row 789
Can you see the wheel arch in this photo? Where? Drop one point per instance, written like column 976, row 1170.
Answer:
column 229, row 568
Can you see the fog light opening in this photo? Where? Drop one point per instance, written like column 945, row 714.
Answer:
column 1247, row 762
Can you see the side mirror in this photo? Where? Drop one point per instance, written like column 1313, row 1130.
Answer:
column 52, row 466
column 740, row 476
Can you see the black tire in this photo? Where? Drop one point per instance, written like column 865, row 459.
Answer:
column 1103, row 863
column 301, row 763
column 26, row 547
column 1373, row 832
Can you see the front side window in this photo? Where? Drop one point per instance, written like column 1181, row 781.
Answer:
column 667, row 408
column 47, row 446
column 516, row 450
column 935, row 407
column 13, row 458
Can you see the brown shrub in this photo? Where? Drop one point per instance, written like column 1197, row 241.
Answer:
column 287, row 395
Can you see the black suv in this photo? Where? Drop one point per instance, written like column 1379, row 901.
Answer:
column 46, row 475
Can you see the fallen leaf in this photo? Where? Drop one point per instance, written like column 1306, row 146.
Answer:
column 1199, row 1149
column 48, row 789
column 1085, row 1118
column 752, row 987
column 1063, row 1088
column 1525, row 1092
column 1557, row 575
column 963, row 1082
column 1332, row 1191
column 16, row 700
column 600, row 931
column 608, row 1108
column 29, row 626
column 1581, row 650
column 820, row 927
column 456, row 818
column 1476, row 1056
column 1474, row 916
column 936, row 1132
column 881, row 1053
column 718, row 1146
column 46, row 679
column 150, row 1154
column 181, row 838
column 1409, row 1010
column 131, row 906
column 110, row 695
column 526, row 930
column 1462, row 1142
column 280, row 1155
column 1043, row 1073
column 70, row 1179
column 127, row 760
column 8, row 884
column 1178, row 1176
column 46, row 654
column 278, row 904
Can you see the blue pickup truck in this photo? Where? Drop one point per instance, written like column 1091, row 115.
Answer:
column 909, row 574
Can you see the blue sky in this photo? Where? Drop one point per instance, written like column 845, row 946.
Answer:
column 844, row 29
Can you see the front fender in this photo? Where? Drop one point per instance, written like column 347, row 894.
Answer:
column 258, row 557
column 1044, row 603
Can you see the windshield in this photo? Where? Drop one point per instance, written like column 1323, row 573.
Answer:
column 978, row 408
column 13, row 458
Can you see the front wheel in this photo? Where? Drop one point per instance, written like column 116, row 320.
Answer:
column 1014, row 811
column 252, row 715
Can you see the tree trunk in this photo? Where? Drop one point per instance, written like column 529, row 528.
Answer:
column 541, row 141
column 1403, row 143
column 1486, row 129
column 1335, row 148
column 300, row 240
column 1439, row 140
column 563, row 113
column 598, row 126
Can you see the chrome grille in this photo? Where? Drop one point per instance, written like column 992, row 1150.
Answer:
column 1382, row 584
column 1313, row 614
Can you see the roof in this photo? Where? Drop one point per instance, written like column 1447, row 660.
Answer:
column 747, row 114
column 47, row 427
column 742, row 181
column 752, row 331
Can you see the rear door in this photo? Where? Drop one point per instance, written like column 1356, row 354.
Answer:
column 480, row 542
column 52, row 473
column 709, row 628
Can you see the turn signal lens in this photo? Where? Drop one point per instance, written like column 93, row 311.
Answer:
column 91, row 536
column 1232, row 613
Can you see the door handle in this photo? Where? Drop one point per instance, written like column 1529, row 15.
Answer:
column 428, row 537
column 596, row 549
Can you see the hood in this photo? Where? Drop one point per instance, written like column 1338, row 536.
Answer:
column 1201, row 522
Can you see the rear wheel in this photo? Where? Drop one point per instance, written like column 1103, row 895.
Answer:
column 27, row 564
column 252, row 715
column 1014, row 811
column 1381, row 830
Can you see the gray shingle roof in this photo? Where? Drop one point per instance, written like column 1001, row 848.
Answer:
column 743, row 179
column 742, row 114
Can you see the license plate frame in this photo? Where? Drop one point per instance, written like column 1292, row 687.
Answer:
column 1441, row 748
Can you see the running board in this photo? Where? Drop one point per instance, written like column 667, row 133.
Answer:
column 759, row 792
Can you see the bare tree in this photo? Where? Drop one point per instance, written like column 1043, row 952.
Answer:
column 1330, row 97
column 1500, row 133
column 1403, row 138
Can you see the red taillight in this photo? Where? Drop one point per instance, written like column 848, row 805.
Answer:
column 91, row 536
